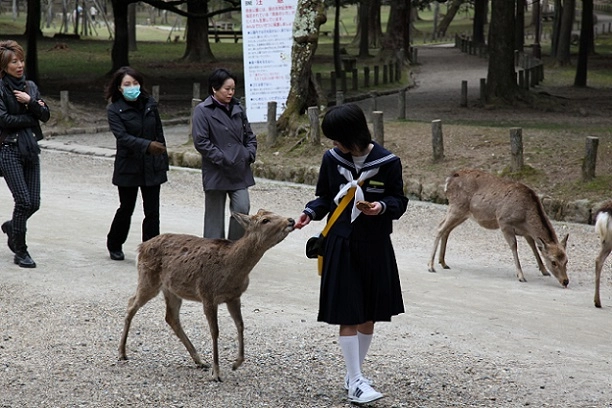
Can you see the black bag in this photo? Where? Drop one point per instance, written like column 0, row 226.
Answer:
column 315, row 246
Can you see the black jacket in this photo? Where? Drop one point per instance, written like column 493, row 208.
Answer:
column 15, row 116
column 136, row 125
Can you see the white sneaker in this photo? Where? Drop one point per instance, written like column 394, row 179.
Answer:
column 361, row 392
column 365, row 379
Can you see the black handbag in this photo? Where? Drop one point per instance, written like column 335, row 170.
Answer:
column 315, row 246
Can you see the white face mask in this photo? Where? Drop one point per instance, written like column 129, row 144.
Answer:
column 131, row 93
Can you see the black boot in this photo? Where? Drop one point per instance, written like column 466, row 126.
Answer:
column 22, row 257
column 7, row 228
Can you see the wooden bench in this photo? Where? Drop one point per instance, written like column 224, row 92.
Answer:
column 218, row 35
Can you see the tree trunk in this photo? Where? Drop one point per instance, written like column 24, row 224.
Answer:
column 501, row 82
column 565, row 33
column 519, row 26
column 451, row 12
column 554, row 41
column 304, row 90
column 32, row 34
column 197, row 47
column 375, row 28
column 399, row 18
column 586, row 39
column 119, row 53
column 132, row 46
column 364, row 29
column 480, row 19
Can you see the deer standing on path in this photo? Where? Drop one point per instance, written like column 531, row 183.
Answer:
column 510, row 206
column 603, row 227
column 210, row 271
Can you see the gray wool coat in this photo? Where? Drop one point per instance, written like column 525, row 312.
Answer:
column 227, row 144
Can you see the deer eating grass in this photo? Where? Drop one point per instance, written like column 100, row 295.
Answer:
column 512, row 207
column 603, row 227
column 210, row 271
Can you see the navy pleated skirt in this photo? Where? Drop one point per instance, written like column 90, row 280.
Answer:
column 360, row 281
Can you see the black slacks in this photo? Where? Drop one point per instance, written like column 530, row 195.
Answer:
column 120, row 226
column 23, row 179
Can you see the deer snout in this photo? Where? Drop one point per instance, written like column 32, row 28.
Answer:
column 291, row 224
column 565, row 282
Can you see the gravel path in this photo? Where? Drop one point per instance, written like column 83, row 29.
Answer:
column 472, row 336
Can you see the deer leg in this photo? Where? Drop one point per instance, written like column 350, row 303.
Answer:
column 173, row 308
column 511, row 240
column 601, row 258
column 146, row 291
column 210, row 310
column 449, row 223
column 233, row 306
column 533, row 247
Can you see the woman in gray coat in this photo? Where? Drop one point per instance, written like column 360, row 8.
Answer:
column 141, row 161
column 223, row 136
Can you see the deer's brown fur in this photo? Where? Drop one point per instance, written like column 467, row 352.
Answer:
column 510, row 206
column 603, row 227
column 210, row 271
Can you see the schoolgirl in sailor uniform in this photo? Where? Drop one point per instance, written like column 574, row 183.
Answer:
column 360, row 281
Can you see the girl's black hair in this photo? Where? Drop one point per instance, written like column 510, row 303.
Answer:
column 347, row 125
column 218, row 77
column 112, row 91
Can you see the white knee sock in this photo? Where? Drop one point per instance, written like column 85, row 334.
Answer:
column 364, row 345
column 350, row 350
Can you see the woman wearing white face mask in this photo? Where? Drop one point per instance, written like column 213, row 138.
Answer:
column 141, row 161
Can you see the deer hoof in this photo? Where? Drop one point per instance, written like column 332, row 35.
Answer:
column 237, row 364
column 204, row 366
column 522, row 280
column 431, row 269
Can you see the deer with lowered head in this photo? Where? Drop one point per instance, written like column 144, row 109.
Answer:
column 603, row 227
column 210, row 271
column 512, row 207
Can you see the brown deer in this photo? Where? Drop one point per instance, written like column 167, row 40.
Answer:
column 510, row 206
column 210, row 271
column 603, row 227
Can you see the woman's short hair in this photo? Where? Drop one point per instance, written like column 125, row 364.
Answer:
column 347, row 125
column 9, row 49
column 218, row 77
column 112, row 91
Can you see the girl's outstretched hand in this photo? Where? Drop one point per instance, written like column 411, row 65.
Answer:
column 302, row 221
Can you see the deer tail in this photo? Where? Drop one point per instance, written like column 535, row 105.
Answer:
column 603, row 226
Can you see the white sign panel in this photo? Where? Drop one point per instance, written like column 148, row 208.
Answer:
column 267, row 27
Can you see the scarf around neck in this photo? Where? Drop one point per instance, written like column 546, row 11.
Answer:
column 15, row 84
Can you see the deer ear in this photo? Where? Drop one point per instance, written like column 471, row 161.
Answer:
column 564, row 240
column 243, row 219
column 541, row 244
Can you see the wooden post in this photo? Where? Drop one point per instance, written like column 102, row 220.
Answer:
column 373, row 96
column 355, row 78
column 196, row 90
column 366, row 77
column 385, row 73
column 464, row 93
column 516, row 149
column 401, row 104
column 483, row 90
column 378, row 127
column 376, row 73
column 521, row 78
column 313, row 117
column 194, row 103
column 437, row 140
column 339, row 98
column 155, row 92
column 64, row 103
column 271, row 137
column 590, row 158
